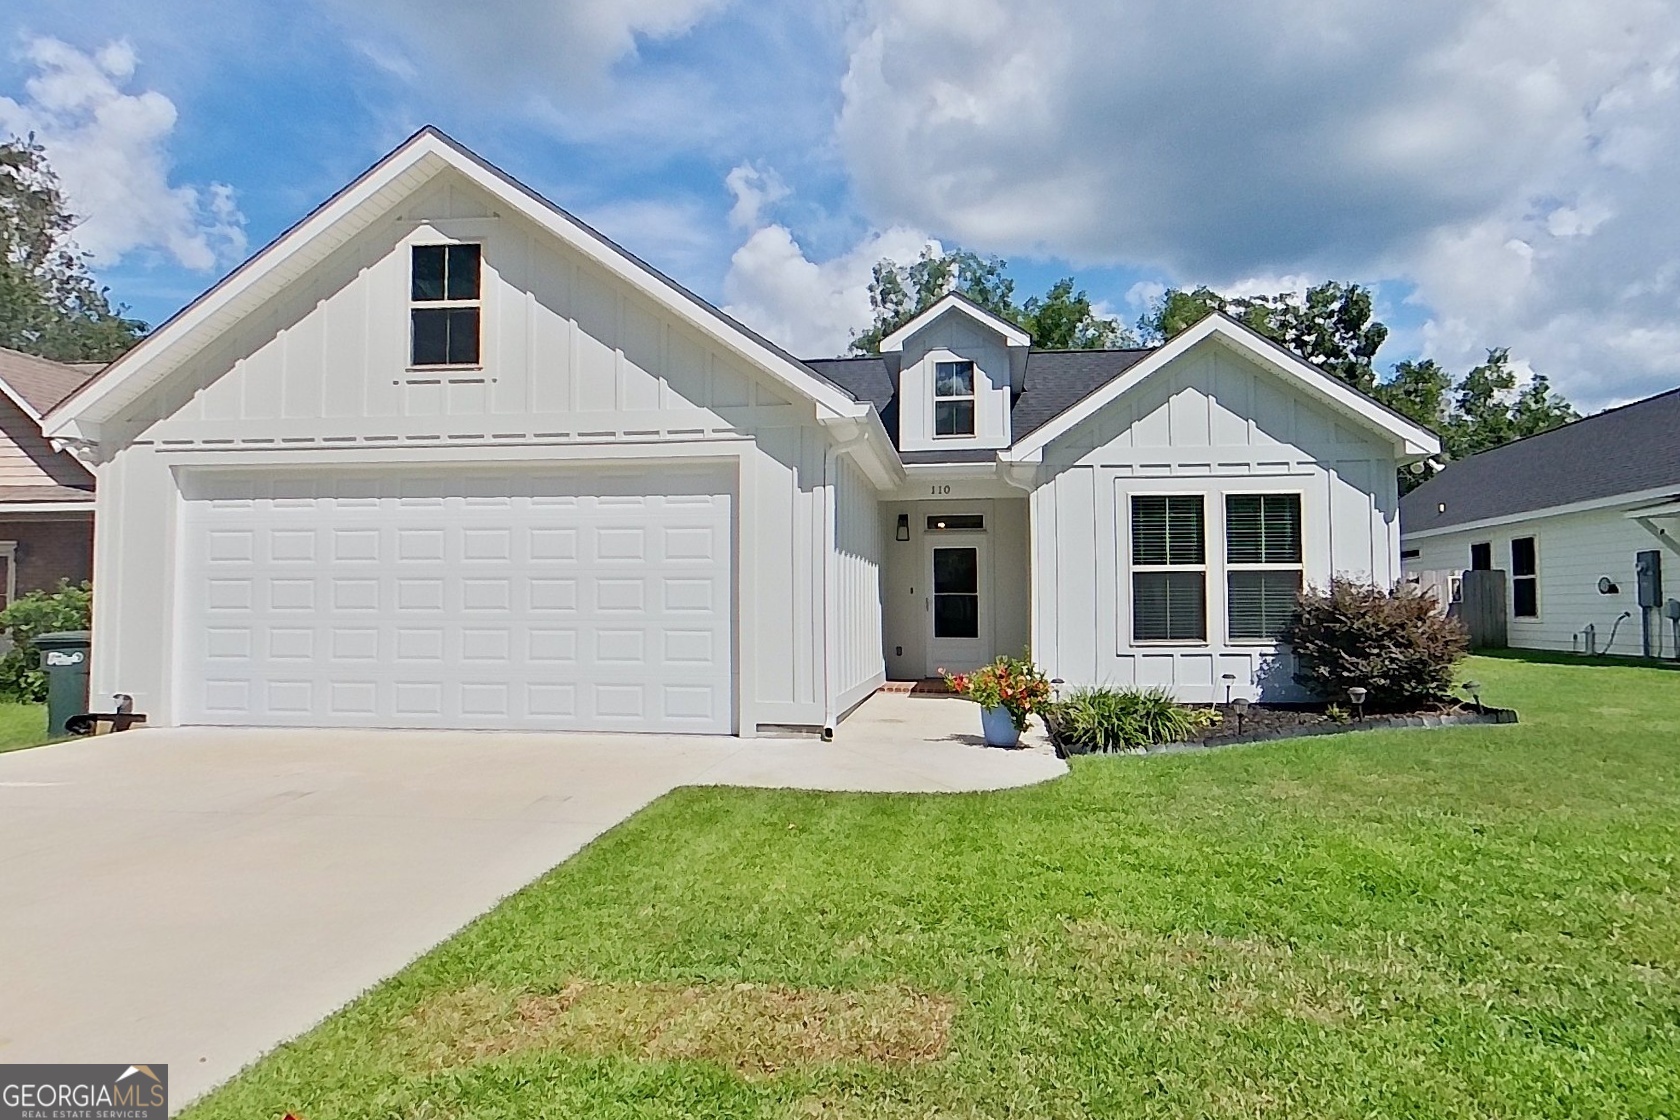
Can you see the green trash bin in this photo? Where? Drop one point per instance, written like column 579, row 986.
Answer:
column 65, row 657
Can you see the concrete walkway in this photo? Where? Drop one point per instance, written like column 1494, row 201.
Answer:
column 195, row 896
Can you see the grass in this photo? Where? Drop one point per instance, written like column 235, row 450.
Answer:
column 1466, row 922
column 22, row 725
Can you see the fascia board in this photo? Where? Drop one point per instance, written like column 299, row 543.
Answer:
column 1414, row 440
column 1012, row 334
column 17, row 398
column 1587, row 506
column 263, row 274
column 423, row 157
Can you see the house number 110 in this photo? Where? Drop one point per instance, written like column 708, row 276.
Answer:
column 938, row 491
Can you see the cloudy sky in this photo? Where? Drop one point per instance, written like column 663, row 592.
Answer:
column 1501, row 172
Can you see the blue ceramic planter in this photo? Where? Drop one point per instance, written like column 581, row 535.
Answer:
column 999, row 728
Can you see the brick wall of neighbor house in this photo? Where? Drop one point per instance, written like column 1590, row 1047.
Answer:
column 48, row 551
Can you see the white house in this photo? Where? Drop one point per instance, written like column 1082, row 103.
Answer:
column 1582, row 519
column 442, row 456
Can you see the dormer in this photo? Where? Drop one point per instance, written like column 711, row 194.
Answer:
column 959, row 369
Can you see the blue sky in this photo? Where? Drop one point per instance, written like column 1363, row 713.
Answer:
column 1499, row 175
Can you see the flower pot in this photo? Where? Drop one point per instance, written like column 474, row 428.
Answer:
column 999, row 727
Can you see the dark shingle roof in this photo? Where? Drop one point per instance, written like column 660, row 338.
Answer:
column 1622, row 451
column 1056, row 380
column 1059, row 379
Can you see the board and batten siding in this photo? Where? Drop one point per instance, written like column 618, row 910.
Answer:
column 577, row 366
column 1573, row 552
column 854, row 580
column 1211, row 424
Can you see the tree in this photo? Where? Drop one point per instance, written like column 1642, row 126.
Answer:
column 1062, row 318
column 50, row 304
column 1488, row 411
column 1330, row 326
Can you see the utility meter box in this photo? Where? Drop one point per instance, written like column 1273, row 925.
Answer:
column 1647, row 566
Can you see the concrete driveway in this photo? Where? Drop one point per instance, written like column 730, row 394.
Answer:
column 196, row 896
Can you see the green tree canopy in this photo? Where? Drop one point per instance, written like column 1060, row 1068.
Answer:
column 1330, row 326
column 1063, row 318
column 1333, row 326
column 50, row 305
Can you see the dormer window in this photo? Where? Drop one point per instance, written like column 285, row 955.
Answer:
column 953, row 399
column 444, row 293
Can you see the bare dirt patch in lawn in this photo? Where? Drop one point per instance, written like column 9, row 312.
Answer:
column 754, row 1029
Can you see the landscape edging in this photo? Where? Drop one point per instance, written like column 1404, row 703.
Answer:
column 1378, row 723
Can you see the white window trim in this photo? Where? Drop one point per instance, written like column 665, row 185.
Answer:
column 972, row 397
column 1229, row 566
column 8, row 553
column 415, row 371
column 1133, row 568
column 1512, row 577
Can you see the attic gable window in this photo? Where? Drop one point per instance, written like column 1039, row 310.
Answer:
column 444, row 293
column 953, row 398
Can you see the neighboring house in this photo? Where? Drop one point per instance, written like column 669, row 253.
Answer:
column 46, row 496
column 443, row 456
column 1568, row 516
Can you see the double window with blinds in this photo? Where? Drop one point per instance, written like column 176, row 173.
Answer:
column 1263, row 566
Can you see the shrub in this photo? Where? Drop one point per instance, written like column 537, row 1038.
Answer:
column 1009, row 682
column 1393, row 644
column 39, row 612
column 1109, row 719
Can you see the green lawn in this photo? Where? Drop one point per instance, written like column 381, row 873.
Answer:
column 1465, row 922
column 22, row 725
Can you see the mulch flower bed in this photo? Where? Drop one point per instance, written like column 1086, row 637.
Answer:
column 1265, row 722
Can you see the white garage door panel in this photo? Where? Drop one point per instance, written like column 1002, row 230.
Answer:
column 590, row 601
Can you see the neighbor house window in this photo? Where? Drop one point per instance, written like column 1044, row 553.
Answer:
column 446, row 308
column 953, row 398
column 1169, row 569
column 1525, row 578
column 1481, row 557
column 1262, row 563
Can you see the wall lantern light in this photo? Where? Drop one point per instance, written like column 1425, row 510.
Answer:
column 903, row 533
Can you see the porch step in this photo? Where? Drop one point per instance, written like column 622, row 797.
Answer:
column 929, row 686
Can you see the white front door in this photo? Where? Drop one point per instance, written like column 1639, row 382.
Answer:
column 595, row 599
column 959, row 629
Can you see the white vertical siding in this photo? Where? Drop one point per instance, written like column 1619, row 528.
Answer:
column 1212, row 424
column 1574, row 551
column 856, row 665
column 575, row 365
column 953, row 336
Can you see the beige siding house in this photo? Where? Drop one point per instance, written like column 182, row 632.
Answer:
column 46, row 495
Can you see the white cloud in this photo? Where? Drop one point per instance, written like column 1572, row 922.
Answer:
column 1512, row 163
column 810, row 307
column 516, row 45
column 754, row 189
column 110, row 150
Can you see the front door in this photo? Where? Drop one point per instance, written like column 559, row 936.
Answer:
column 959, row 635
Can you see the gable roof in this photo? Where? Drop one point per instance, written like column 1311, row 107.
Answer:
column 1053, row 382
column 956, row 301
column 1413, row 440
column 369, row 197
column 36, row 384
column 1629, row 450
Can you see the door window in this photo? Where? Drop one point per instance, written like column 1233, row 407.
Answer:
column 956, row 593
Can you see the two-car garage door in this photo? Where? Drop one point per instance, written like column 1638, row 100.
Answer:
column 591, row 599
